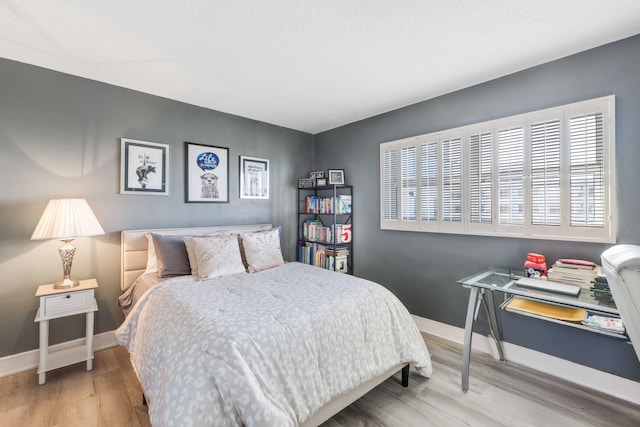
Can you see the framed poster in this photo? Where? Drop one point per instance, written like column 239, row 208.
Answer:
column 144, row 167
column 336, row 176
column 206, row 173
column 254, row 178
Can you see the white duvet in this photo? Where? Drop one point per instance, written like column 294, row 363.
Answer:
column 264, row 349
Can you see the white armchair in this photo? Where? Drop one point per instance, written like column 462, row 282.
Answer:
column 621, row 265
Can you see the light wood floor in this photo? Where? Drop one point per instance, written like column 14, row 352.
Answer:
column 501, row 394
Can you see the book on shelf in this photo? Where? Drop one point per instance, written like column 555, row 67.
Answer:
column 313, row 229
column 319, row 205
column 342, row 233
column 344, row 204
column 339, row 251
column 316, row 254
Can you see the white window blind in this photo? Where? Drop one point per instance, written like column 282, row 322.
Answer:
column 409, row 180
column 452, row 180
column 587, row 171
column 480, row 178
column 429, row 177
column 390, row 184
column 511, row 175
column 545, row 174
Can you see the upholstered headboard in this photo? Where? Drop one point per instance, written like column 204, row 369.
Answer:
column 134, row 245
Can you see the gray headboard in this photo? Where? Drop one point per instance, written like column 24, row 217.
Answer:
column 134, row 246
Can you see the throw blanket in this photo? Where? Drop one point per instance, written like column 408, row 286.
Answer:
column 264, row 349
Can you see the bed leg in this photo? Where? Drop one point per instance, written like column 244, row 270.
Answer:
column 405, row 376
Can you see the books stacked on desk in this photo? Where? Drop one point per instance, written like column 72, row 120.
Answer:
column 574, row 271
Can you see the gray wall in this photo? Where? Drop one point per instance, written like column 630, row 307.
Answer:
column 59, row 137
column 422, row 268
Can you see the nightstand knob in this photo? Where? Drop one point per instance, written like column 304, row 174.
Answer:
column 68, row 296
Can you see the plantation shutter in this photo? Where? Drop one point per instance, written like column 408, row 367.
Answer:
column 511, row 176
column 587, row 170
column 408, row 171
column 390, row 182
column 480, row 178
column 452, row 180
column 545, row 173
column 429, row 182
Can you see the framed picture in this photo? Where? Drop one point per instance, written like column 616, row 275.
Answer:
column 321, row 182
column 316, row 174
column 336, row 176
column 305, row 183
column 144, row 167
column 254, row 178
column 206, row 173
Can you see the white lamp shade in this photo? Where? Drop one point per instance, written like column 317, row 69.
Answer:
column 66, row 219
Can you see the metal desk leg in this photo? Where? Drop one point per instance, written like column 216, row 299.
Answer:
column 468, row 332
column 493, row 323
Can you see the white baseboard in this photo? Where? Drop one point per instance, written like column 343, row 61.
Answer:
column 21, row 362
column 604, row 382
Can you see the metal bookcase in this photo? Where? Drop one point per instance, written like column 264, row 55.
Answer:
column 330, row 220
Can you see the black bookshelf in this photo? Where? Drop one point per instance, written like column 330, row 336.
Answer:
column 328, row 213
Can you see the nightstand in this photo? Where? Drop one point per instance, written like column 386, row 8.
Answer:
column 56, row 303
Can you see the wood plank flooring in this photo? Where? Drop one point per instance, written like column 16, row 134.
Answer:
column 500, row 394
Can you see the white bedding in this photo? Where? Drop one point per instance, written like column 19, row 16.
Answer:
column 264, row 349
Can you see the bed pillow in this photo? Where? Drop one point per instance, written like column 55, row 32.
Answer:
column 215, row 255
column 262, row 249
column 193, row 261
column 171, row 254
column 152, row 259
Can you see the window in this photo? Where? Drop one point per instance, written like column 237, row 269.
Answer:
column 545, row 174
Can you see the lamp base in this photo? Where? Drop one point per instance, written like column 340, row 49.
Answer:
column 65, row 284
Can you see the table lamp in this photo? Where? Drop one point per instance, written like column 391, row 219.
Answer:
column 66, row 219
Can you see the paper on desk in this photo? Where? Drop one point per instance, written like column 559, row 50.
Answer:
column 548, row 310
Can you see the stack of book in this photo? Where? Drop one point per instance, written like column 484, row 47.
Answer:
column 323, row 256
column 574, row 271
column 313, row 229
column 319, row 205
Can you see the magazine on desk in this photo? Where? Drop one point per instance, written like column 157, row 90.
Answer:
column 611, row 324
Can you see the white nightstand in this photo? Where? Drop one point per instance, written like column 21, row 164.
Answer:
column 56, row 303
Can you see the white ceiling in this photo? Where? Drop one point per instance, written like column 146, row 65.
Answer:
column 304, row 64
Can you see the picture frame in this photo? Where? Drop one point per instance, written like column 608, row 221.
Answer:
column 305, row 183
column 206, row 170
column 144, row 167
column 336, row 176
column 254, row 178
column 316, row 174
column 321, row 182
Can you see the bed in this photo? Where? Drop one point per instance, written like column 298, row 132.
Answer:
column 283, row 344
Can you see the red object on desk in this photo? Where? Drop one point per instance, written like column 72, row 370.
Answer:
column 535, row 266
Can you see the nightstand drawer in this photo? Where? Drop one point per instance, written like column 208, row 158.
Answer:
column 68, row 303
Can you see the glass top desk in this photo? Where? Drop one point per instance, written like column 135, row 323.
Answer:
column 504, row 281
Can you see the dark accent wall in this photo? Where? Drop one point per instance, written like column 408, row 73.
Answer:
column 422, row 268
column 59, row 138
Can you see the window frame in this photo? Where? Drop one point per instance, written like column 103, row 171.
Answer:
column 564, row 231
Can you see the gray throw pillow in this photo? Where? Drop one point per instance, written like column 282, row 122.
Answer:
column 172, row 255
